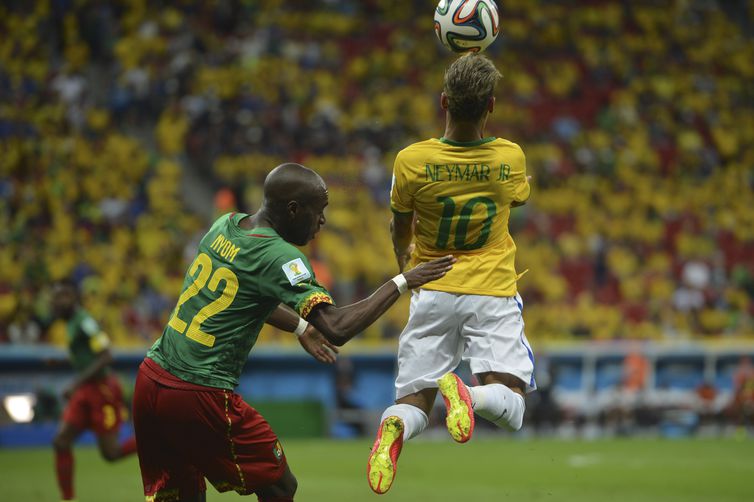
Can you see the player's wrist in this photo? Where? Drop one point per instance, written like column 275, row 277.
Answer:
column 401, row 283
column 301, row 328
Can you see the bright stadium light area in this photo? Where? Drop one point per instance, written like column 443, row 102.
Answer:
column 20, row 407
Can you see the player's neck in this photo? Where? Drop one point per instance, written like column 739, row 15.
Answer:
column 463, row 132
column 257, row 220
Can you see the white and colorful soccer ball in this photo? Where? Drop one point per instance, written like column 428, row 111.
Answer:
column 466, row 25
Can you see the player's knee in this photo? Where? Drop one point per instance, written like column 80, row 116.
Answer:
column 283, row 490
column 290, row 485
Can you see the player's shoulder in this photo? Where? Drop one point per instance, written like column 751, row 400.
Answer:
column 285, row 250
column 80, row 315
column 282, row 252
column 219, row 224
column 512, row 152
column 85, row 322
column 506, row 143
column 291, row 261
column 222, row 221
column 419, row 149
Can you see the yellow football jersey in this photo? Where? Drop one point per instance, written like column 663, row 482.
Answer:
column 461, row 194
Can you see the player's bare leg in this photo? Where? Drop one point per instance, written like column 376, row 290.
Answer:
column 424, row 399
column 112, row 449
column 400, row 422
column 63, row 444
column 282, row 491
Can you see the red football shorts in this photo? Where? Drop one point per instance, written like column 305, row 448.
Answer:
column 97, row 405
column 186, row 432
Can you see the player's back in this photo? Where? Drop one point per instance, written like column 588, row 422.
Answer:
column 223, row 304
column 462, row 194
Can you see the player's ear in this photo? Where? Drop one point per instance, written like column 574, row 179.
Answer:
column 444, row 101
column 293, row 208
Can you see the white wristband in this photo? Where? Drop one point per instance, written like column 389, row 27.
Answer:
column 302, row 325
column 400, row 281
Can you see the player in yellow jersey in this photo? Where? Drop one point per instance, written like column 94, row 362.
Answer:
column 454, row 195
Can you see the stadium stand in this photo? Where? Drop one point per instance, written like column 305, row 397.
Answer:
column 639, row 227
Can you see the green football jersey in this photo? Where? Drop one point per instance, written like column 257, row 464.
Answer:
column 85, row 339
column 237, row 279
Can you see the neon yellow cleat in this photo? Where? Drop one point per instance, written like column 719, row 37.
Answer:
column 383, row 460
column 460, row 415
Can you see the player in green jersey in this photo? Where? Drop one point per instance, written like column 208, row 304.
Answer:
column 95, row 399
column 189, row 423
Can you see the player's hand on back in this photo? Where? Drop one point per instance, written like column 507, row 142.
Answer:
column 317, row 345
column 429, row 271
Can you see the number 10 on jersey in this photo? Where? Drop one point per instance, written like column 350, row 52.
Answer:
column 461, row 222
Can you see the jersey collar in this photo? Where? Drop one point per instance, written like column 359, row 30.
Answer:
column 467, row 143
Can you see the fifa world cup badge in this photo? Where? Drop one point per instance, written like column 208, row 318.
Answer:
column 296, row 271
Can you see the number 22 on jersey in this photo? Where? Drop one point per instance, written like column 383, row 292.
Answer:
column 203, row 264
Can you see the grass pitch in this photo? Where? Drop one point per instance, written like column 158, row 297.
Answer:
column 482, row 470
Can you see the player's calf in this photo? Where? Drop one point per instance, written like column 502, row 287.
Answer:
column 499, row 404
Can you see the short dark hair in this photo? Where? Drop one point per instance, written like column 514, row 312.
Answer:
column 469, row 84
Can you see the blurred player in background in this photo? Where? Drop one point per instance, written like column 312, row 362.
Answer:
column 95, row 399
column 189, row 423
column 454, row 194
column 741, row 408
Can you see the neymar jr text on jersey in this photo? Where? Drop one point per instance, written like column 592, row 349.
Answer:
column 466, row 172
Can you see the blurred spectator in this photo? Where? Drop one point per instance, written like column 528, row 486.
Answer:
column 23, row 328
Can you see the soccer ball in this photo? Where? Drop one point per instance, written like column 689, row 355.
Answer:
column 466, row 25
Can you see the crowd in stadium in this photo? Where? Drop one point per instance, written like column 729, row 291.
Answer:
column 639, row 224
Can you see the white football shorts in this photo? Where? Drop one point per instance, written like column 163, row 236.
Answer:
column 443, row 328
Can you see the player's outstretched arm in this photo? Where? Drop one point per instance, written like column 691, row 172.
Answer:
column 311, row 339
column 340, row 324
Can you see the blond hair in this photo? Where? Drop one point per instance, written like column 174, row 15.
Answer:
column 469, row 83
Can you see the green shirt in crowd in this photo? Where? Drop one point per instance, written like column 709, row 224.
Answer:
column 85, row 339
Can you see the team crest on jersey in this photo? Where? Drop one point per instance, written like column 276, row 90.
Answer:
column 296, row 271
column 277, row 450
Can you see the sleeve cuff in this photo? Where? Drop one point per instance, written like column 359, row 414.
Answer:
column 305, row 306
column 522, row 195
column 401, row 211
